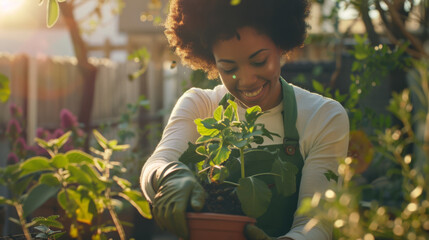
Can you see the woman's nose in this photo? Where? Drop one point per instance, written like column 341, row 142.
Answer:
column 247, row 78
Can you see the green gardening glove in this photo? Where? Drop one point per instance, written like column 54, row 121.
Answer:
column 252, row 232
column 176, row 188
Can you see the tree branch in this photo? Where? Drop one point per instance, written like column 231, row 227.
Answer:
column 396, row 18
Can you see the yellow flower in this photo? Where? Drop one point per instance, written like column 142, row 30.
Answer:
column 360, row 150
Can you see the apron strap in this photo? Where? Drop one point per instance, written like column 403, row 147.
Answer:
column 290, row 113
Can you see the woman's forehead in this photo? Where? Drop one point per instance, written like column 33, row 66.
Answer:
column 248, row 42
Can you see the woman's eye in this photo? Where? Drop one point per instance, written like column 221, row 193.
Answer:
column 259, row 63
column 229, row 71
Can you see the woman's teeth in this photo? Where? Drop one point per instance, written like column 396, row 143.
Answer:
column 254, row 93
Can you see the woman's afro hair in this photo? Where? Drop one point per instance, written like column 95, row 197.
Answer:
column 193, row 26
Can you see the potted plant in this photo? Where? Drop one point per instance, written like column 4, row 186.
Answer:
column 227, row 162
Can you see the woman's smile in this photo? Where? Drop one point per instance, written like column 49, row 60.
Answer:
column 255, row 94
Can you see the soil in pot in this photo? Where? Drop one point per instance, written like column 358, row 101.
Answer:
column 222, row 198
column 221, row 217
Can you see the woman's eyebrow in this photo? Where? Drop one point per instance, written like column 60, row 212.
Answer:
column 226, row 61
column 257, row 52
column 250, row 57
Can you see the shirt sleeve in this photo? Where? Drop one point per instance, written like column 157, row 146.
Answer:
column 180, row 129
column 324, row 141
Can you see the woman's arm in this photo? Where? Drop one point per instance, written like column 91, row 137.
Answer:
column 180, row 129
column 325, row 142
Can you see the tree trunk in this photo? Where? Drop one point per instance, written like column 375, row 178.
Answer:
column 87, row 70
column 372, row 35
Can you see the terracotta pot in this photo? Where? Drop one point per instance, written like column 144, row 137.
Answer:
column 216, row 226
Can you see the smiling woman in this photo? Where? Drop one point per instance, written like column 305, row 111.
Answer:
column 9, row 6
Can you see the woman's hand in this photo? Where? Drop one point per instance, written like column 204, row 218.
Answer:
column 176, row 188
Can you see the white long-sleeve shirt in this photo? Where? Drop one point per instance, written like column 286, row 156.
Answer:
column 323, row 129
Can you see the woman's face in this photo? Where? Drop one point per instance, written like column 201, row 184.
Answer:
column 249, row 68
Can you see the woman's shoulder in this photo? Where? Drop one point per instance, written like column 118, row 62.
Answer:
column 210, row 94
column 201, row 102
column 316, row 111
column 312, row 102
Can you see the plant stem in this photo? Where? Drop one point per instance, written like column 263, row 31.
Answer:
column 262, row 174
column 243, row 175
column 115, row 219
column 107, row 154
column 20, row 212
column 232, row 183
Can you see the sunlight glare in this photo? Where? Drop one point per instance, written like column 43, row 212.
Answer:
column 9, row 6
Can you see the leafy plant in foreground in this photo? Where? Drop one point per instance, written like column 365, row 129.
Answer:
column 83, row 184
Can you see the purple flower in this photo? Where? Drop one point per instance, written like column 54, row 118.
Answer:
column 42, row 133
column 12, row 158
column 68, row 120
column 15, row 111
column 57, row 133
column 20, row 147
column 13, row 129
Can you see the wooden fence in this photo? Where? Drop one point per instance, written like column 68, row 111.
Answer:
column 43, row 86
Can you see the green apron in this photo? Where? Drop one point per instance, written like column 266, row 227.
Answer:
column 278, row 219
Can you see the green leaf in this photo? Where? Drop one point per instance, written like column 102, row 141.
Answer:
column 253, row 113
column 231, row 111
column 254, row 196
column 63, row 139
column 331, row 175
column 53, row 13
column 100, row 139
column 37, row 196
column 49, row 179
column 258, row 139
column 286, row 182
column 138, row 201
column 67, row 201
column 305, row 206
column 222, row 155
column 42, row 228
column 14, row 220
column 76, row 156
column 190, row 157
column 120, row 147
column 79, row 176
column 96, row 183
column 4, row 88
column 84, row 213
column 99, row 164
column 112, row 143
column 123, row 183
column 201, row 150
column 202, row 127
column 21, row 185
column 59, row 161
column 35, row 164
column 42, row 143
column 318, row 87
column 218, row 113
column 204, row 139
